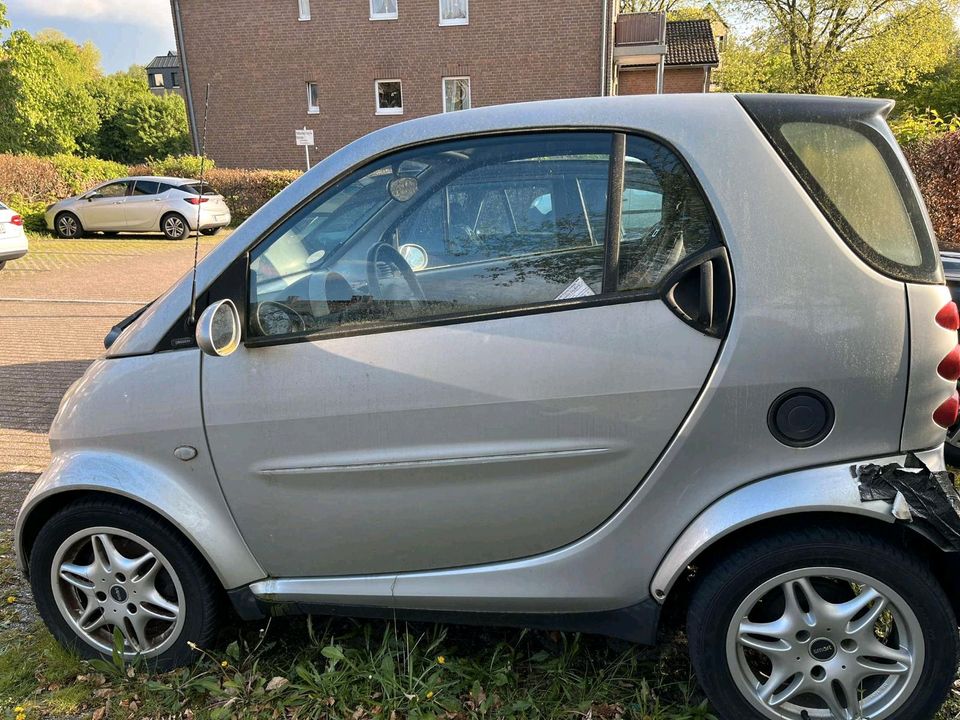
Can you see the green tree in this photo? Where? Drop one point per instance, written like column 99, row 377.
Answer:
column 155, row 126
column 44, row 93
column 844, row 47
column 113, row 94
column 632, row 6
column 4, row 23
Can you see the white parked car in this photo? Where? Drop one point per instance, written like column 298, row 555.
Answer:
column 173, row 206
column 13, row 240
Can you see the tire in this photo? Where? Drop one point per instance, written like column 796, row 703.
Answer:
column 158, row 606
column 67, row 226
column 3, row 264
column 110, row 234
column 817, row 656
column 210, row 231
column 174, row 226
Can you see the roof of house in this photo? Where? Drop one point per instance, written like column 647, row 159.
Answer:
column 690, row 42
column 170, row 60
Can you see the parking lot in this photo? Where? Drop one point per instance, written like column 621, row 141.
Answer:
column 56, row 305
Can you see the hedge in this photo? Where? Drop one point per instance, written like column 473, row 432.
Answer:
column 936, row 165
column 29, row 183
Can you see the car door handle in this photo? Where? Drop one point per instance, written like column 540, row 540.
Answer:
column 700, row 292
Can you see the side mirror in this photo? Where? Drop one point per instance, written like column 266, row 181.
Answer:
column 218, row 329
column 93, row 196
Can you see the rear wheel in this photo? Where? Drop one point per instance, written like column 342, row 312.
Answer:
column 823, row 624
column 3, row 264
column 210, row 231
column 102, row 566
column 67, row 226
column 174, row 226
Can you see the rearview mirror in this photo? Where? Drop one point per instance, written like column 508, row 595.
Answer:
column 218, row 329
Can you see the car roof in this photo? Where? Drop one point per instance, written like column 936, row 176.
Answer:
column 155, row 178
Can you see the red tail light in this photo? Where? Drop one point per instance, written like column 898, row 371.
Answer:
column 946, row 414
column 198, row 200
column 949, row 316
column 949, row 367
column 17, row 220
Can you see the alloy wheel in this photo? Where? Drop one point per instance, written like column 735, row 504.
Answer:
column 174, row 227
column 106, row 579
column 825, row 643
column 67, row 226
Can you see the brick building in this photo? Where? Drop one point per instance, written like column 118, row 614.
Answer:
column 343, row 68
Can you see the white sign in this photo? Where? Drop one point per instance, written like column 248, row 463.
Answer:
column 304, row 137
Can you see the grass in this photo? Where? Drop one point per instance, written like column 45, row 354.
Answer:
column 334, row 669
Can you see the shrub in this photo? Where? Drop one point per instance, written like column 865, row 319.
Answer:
column 36, row 179
column 80, row 174
column 936, row 165
column 185, row 166
column 247, row 190
column 911, row 128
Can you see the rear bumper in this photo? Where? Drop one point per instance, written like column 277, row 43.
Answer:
column 13, row 248
column 210, row 219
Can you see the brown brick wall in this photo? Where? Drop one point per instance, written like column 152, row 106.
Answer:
column 675, row 80
column 258, row 57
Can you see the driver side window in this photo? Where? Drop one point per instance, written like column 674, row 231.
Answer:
column 455, row 228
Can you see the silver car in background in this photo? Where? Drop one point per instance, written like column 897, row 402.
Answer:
column 173, row 206
column 572, row 365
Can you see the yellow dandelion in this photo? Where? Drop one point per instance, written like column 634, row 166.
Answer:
column 224, row 664
column 18, row 709
column 429, row 694
column 11, row 599
column 21, row 716
column 441, row 660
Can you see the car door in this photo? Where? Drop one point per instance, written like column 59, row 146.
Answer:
column 103, row 208
column 500, row 401
column 141, row 208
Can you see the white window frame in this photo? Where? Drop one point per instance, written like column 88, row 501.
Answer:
column 443, row 91
column 384, row 16
column 454, row 21
column 376, row 97
column 158, row 80
column 313, row 109
column 304, row 9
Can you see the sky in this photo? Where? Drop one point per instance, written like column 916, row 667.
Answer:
column 125, row 31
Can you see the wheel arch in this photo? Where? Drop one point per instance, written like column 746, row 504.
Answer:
column 771, row 507
column 215, row 537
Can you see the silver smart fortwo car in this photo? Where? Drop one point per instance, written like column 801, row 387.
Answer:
column 561, row 365
column 173, row 206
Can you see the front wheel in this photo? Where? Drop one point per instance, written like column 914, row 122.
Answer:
column 823, row 624
column 102, row 566
column 67, row 226
column 174, row 226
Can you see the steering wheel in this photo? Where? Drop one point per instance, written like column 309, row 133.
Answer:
column 386, row 254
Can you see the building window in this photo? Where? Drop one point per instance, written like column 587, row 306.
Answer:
column 304, row 9
column 158, row 80
column 456, row 94
column 313, row 98
column 389, row 97
column 174, row 80
column 454, row 12
column 383, row 9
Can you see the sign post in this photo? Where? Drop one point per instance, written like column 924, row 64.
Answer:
column 305, row 138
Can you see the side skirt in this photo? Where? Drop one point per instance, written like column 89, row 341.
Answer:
column 637, row 623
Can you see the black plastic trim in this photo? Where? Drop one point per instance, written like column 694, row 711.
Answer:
column 781, row 435
column 637, row 623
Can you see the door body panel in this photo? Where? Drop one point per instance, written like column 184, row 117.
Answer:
column 104, row 212
column 447, row 446
column 142, row 212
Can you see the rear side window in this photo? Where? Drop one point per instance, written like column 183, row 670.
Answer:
column 844, row 154
column 145, row 187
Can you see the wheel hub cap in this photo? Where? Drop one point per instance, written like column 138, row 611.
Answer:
column 822, row 649
column 825, row 643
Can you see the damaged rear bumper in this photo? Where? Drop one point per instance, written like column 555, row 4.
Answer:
column 924, row 497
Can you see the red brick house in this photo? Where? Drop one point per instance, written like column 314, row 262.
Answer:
column 343, row 68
